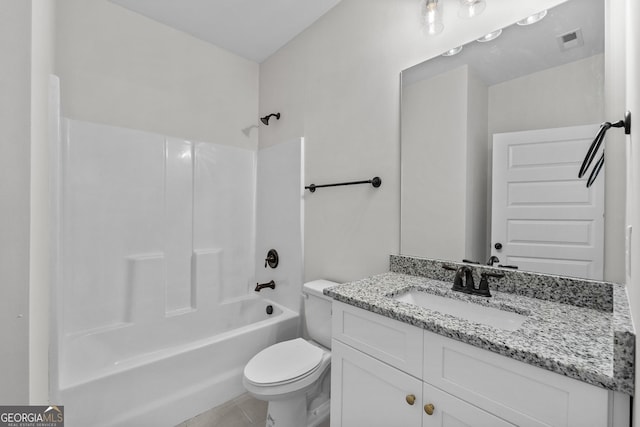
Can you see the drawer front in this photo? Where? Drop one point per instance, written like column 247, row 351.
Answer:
column 391, row 341
column 515, row 391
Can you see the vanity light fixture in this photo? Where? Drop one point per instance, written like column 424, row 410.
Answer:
column 491, row 36
column 454, row 51
column 433, row 17
column 471, row 8
column 533, row 18
column 432, row 13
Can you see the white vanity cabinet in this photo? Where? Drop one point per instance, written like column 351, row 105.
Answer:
column 386, row 373
column 373, row 394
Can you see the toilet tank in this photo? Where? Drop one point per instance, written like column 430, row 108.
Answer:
column 317, row 311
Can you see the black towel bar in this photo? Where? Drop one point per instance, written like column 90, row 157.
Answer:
column 375, row 181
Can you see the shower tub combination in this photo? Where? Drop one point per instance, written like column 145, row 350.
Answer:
column 185, row 376
column 154, row 310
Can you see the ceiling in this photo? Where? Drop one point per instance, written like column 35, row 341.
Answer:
column 524, row 50
column 253, row 29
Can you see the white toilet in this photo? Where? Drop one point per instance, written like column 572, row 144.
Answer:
column 294, row 376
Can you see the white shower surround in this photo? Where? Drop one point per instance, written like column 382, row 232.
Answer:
column 279, row 219
column 154, row 305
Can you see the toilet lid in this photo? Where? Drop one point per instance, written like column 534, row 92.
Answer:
column 283, row 361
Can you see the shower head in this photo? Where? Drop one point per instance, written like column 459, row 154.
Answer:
column 265, row 119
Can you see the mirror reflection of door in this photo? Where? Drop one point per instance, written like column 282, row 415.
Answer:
column 544, row 218
column 451, row 106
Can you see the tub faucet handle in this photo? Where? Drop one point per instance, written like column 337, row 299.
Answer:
column 272, row 259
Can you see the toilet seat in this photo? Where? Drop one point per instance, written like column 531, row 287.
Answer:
column 284, row 363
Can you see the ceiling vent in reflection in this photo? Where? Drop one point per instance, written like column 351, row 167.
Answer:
column 570, row 40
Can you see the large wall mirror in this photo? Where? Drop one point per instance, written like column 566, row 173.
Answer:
column 546, row 77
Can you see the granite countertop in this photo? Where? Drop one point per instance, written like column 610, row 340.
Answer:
column 592, row 345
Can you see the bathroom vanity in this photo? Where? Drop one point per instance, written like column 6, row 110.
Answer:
column 550, row 351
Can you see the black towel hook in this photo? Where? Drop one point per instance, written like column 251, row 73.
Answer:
column 596, row 170
column 595, row 145
column 593, row 148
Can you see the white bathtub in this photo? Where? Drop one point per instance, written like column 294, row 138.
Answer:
column 165, row 378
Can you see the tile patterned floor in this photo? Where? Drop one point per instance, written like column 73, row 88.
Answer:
column 243, row 411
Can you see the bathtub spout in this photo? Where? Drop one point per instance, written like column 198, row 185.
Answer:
column 260, row 286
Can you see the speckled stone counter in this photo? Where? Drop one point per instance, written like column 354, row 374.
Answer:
column 589, row 337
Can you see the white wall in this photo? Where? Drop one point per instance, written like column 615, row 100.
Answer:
column 567, row 95
column 477, row 161
column 434, row 135
column 337, row 84
column 444, row 167
column 15, row 135
column 120, row 68
column 279, row 212
column 42, row 62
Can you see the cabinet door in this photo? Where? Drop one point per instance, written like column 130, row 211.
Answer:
column 523, row 394
column 449, row 411
column 367, row 392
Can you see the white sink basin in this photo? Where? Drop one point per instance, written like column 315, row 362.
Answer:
column 475, row 313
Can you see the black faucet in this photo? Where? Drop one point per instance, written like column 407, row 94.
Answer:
column 260, row 286
column 463, row 281
column 493, row 260
column 483, row 288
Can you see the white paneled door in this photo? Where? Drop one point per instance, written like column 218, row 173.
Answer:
column 544, row 218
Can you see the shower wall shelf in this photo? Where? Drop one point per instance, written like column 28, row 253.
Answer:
column 375, row 182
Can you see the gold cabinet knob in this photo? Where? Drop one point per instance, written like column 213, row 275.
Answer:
column 411, row 399
column 428, row 408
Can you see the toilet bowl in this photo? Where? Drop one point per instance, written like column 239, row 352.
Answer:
column 294, row 376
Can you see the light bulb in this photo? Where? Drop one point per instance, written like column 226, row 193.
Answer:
column 491, row 36
column 433, row 17
column 533, row 18
column 454, row 51
column 471, row 8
